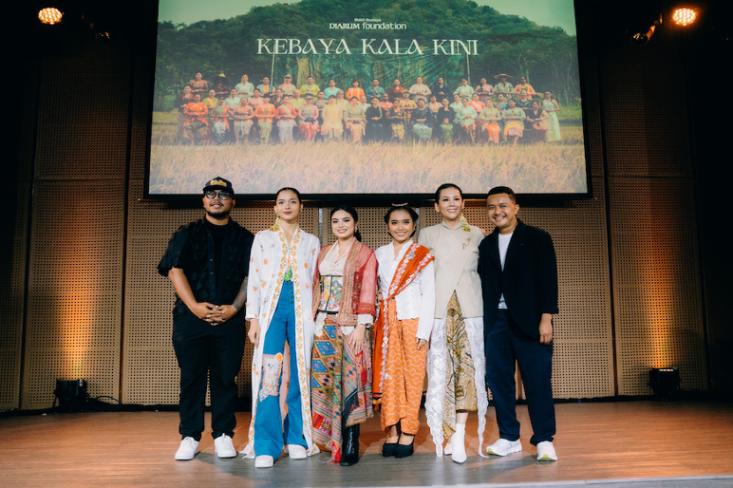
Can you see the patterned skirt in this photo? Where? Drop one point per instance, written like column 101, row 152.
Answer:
column 460, row 391
column 341, row 390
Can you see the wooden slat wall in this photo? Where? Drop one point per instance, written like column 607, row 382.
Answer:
column 73, row 316
column 653, row 241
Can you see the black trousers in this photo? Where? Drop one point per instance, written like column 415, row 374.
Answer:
column 505, row 344
column 208, row 352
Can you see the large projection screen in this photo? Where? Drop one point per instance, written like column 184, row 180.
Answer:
column 283, row 94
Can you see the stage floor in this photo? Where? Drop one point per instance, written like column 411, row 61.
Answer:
column 635, row 443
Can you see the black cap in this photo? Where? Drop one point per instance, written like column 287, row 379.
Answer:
column 219, row 183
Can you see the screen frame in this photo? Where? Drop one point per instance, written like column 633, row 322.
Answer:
column 381, row 199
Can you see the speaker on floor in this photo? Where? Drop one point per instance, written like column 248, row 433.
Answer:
column 664, row 382
column 70, row 395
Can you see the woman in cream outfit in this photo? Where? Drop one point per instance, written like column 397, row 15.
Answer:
column 456, row 363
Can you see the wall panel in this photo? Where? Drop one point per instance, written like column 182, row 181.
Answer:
column 74, row 289
column 656, row 282
column 12, row 306
column 646, row 118
column 73, row 318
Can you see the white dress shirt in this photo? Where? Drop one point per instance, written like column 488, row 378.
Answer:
column 417, row 300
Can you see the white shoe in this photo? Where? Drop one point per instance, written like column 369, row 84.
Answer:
column 503, row 447
column 546, row 451
column 448, row 449
column 224, row 447
column 264, row 462
column 188, row 448
column 297, row 452
column 458, row 444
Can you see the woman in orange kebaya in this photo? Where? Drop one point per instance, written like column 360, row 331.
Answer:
column 402, row 330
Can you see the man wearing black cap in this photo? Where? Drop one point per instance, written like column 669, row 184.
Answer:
column 207, row 262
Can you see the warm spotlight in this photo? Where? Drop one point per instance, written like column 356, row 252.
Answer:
column 50, row 16
column 684, row 16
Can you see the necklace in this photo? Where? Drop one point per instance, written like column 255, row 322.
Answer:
column 342, row 252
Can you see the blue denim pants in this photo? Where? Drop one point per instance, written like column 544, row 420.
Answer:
column 270, row 430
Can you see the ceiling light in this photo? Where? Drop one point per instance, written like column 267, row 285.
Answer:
column 684, row 16
column 50, row 16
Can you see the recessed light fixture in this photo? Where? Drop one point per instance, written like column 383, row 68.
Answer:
column 50, row 16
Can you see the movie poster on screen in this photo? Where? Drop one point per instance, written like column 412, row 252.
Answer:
column 380, row 97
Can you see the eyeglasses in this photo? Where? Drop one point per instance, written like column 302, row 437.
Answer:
column 223, row 195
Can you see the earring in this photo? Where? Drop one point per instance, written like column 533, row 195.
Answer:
column 276, row 225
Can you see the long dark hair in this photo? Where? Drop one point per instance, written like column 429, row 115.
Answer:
column 354, row 215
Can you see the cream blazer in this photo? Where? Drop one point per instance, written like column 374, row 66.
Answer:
column 456, row 263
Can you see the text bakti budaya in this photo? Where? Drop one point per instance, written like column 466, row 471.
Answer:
column 437, row 47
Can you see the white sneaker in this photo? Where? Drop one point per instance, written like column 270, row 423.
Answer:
column 224, row 447
column 297, row 452
column 546, row 451
column 503, row 447
column 448, row 449
column 188, row 448
column 458, row 444
column 264, row 462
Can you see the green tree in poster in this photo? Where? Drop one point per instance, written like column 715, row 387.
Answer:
column 511, row 44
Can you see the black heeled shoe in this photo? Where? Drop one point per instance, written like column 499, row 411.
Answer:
column 405, row 450
column 350, row 446
column 389, row 449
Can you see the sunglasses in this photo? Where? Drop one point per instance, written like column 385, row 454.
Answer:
column 223, row 195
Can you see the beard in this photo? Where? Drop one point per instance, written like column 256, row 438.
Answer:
column 221, row 214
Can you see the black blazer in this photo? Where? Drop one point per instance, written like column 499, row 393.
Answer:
column 528, row 281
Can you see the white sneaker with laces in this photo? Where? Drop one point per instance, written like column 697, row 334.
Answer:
column 546, row 451
column 264, row 462
column 503, row 447
column 297, row 452
column 224, row 447
column 458, row 444
column 188, row 448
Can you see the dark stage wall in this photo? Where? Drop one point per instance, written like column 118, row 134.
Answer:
column 81, row 296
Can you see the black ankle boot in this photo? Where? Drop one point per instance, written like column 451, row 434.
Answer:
column 350, row 445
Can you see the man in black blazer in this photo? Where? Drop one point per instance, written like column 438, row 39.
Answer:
column 518, row 273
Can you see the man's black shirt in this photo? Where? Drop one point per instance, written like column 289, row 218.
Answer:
column 218, row 232
column 215, row 260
